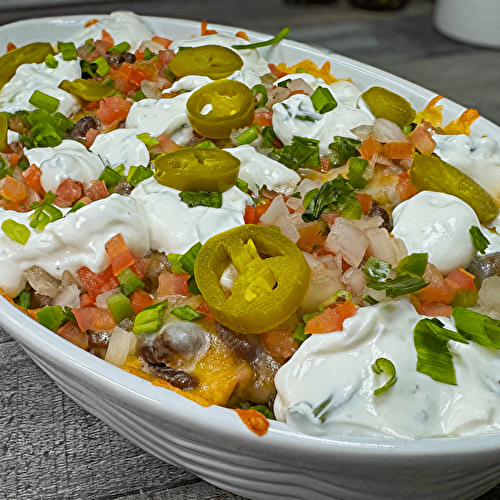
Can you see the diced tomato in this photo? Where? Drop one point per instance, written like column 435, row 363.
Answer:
column 73, row 334
column 324, row 164
column 421, row 138
column 369, row 148
column 165, row 56
column 365, row 200
column 311, row 236
column 90, row 22
column 90, row 137
column 167, row 144
column 94, row 318
column 97, row 190
column 32, row 176
column 69, row 190
column 87, row 300
column 263, row 117
column 172, row 284
column 108, row 39
column 139, row 299
column 10, row 46
column 261, row 208
column 434, row 309
column 460, row 279
column 12, row 189
column 91, row 106
column 139, row 266
column 398, row 150
column 279, row 343
column 205, row 31
column 404, row 187
column 96, row 283
column 166, row 42
column 249, row 216
column 113, row 109
column 275, row 71
column 329, row 217
column 14, row 159
column 332, row 318
column 118, row 253
column 132, row 73
column 204, row 309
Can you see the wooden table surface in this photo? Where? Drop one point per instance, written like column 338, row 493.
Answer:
column 50, row 448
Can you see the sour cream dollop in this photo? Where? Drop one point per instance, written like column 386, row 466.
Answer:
column 174, row 227
column 122, row 26
column 437, row 223
column 326, row 388
column 72, row 242
column 16, row 93
column 258, row 170
column 121, row 146
column 68, row 160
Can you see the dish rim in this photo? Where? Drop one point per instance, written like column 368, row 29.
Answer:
column 281, row 440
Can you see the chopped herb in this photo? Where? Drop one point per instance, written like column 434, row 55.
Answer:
column 52, row 317
column 211, row 199
column 148, row 54
column 331, row 195
column 188, row 259
column 265, row 410
column 44, row 212
column 68, row 50
column 103, row 68
column 357, row 168
column 477, row 327
column 414, row 263
column 206, row 144
column 120, row 307
column 148, row 139
column 261, row 90
column 479, row 240
column 24, row 299
column 303, row 152
column 51, row 62
column 342, row 148
column 352, row 210
column 129, row 281
column 268, row 136
column 247, row 136
column 241, row 185
column 400, row 285
column 150, row 319
column 299, row 334
column 138, row 174
column 110, row 176
column 284, row 83
column 44, row 101
column 120, row 48
column 377, row 270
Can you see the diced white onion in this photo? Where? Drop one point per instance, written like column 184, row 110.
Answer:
column 348, row 240
column 121, row 344
column 69, row 297
column 386, row 131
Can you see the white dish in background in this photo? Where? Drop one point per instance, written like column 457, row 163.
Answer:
column 213, row 442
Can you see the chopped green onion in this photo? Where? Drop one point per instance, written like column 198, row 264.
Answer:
column 150, row 319
column 477, row 327
column 192, row 199
column 414, row 263
column 120, row 48
column 51, row 317
column 119, row 306
column 24, row 299
column 241, row 185
column 44, row 212
column 138, row 174
column 169, row 75
column 265, row 410
column 174, row 259
column 376, row 269
column 129, row 281
column 261, row 90
column 23, row 163
column 51, row 62
column 357, row 168
column 188, row 259
column 339, row 294
column 400, row 285
column 206, row 144
column 44, row 101
column 465, row 298
column 186, row 313
column 299, row 334
column 4, row 130
column 193, row 286
column 139, row 96
column 15, row 231
column 370, row 300
column 384, row 365
column 284, row 83
column 110, row 176
column 68, row 50
column 433, row 357
column 276, row 39
column 268, row 136
column 148, row 139
column 342, row 148
column 247, row 136
column 323, row 100
column 479, row 240
column 79, row 204
column 321, row 411
column 103, row 68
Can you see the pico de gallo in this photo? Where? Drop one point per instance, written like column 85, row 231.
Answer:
column 217, row 224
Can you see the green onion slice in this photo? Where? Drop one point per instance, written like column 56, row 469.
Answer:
column 261, row 90
column 129, row 281
column 433, row 357
column 150, row 319
column 276, row 39
column 212, row 199
column 247, row 136
column 323, row 100
column 68, row 50
column 477, row 327
column 479, row 240
column 44, row 101
column 186, row 313
column 120, row 48
column 188, row 259
column 15, row 231
column 384, row 365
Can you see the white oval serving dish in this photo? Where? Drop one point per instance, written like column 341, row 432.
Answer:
column 213, row 442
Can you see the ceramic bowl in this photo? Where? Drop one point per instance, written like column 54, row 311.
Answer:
column 213, row 442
